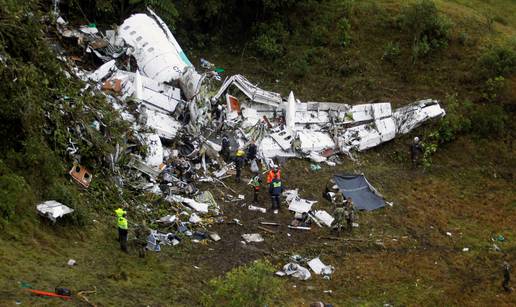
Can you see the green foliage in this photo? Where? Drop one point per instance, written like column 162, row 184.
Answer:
column 270, row 39
column 455, row 122
column 489, row 120
column 15, row 195
column 165, row 9
column 493, row 88
column 498, row 60
column 344, row 30
column 391, row 52
column 252, row 285
column 430, row 30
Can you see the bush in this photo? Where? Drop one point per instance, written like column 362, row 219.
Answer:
column 498, row 61
column 391, row 52
column 270, row 39
column 15, row 196
column 430, row 30
column 252, row 285
column 493, row 88
column 344, row 30
column 488, row 120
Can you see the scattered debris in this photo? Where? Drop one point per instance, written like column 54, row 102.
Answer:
column 252, row 237
column 320, row 268
column 256, row 208
column 81, row 175
column 53, row 210
column 295, row 270
column 71, row 262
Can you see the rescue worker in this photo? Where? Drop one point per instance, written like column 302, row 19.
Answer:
column 275, row 190
column 339, row 215
column 239, row 163
column 226, row 148
column 256, row 183
column 141, row 234
column 350, row 213
column 122, row 228
column 415, row 151
column 506, row 276
column 274, row 173
column 251, row 151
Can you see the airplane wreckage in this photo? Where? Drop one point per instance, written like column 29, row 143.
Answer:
column 181, row 114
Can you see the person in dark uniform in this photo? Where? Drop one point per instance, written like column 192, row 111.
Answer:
column 416, row 150
column 506, row 277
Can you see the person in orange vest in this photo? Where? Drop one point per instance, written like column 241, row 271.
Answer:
column 274, row 173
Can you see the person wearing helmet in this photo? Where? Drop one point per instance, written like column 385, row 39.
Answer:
column 274, row 173
column 122, row 228
column 415, row 151
column 239, row 162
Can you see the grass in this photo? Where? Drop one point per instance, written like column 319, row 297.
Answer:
column 401, row 255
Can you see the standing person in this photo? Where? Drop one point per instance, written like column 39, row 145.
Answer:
column 239, row 163
column 226, row 148
column 415, row 151
column 256, row 183
column 274, row 173
column 339, row 215
column 506, row 276
column 350, row 213
column 251, row 151
column 122, row 228
column 141, row 234
column 275, row 190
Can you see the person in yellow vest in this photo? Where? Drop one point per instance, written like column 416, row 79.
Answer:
column 122, row 228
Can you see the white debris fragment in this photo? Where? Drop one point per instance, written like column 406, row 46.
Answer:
column 256, row 208
column 324, row 217
column 252, row 237
column 53, row 209
column 320, row 268
column 295, row 270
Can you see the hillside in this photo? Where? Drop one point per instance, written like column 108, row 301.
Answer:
column 440, row 243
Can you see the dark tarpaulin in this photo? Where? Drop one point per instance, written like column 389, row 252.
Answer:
column 365, row 196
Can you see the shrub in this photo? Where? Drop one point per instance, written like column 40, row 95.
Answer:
column 493, row 88
column 344, row 30
column 15, row 196
column 252, row 285
column 488, row 120
column 391, row 52
column 498, row 61
column 430, row 30
column 269, row 40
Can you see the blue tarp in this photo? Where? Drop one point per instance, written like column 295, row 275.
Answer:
column 365, row 196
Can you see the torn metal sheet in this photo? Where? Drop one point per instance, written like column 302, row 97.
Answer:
column 324, row 217
column 103, row 71
column 197, row 206
column 53, row 209
column 320, row 268
column 250, row 90
column 295, row 270
column 413, row 115
column 136, row 163
column 154, row 157
column 166, row 126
